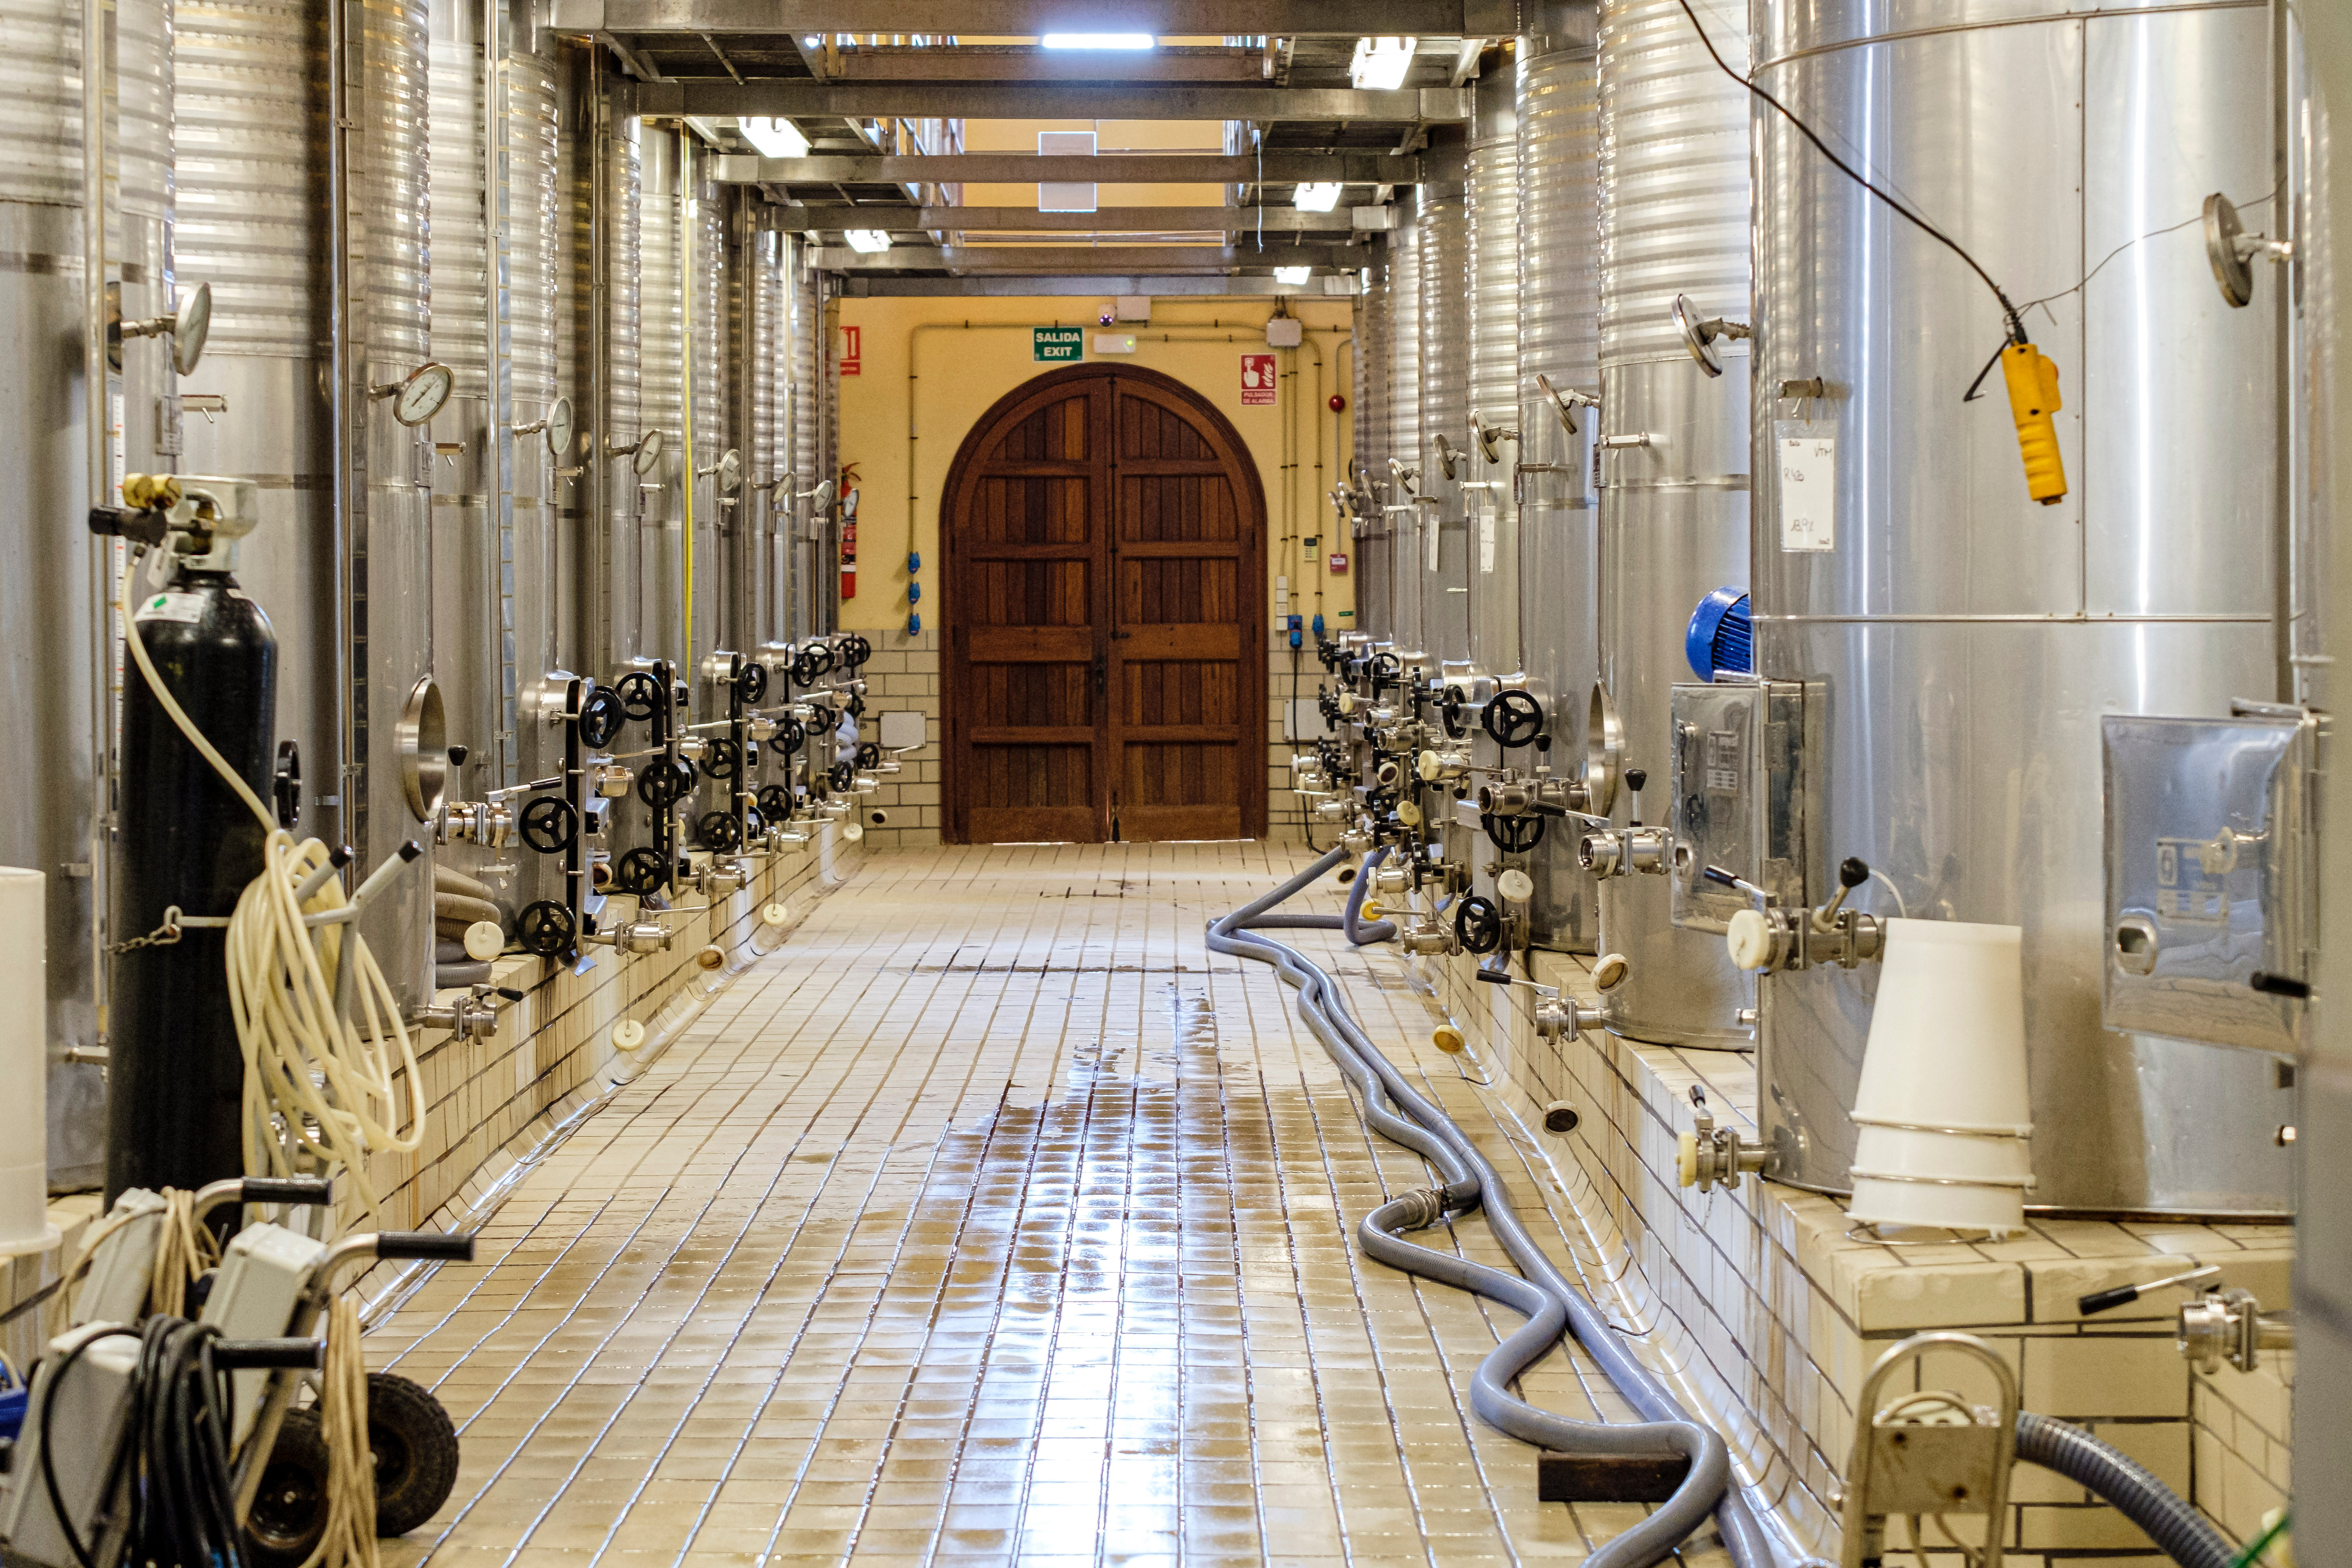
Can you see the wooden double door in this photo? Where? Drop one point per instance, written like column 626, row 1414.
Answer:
column 1104, row 536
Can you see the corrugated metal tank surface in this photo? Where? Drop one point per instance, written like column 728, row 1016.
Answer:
column 1445, row 325
column 46, row 593
column 618, row 633
column 704, row 215
column 1405, row 423
column 1375, row 377
column 533, row 572
column 1493, row 546
column 1962, row 642
column 250, row 172
column 764, row 503
column 661, row 406
column 1674, row 202
column 808, row 457
column 394, row 626
column 1560, row 310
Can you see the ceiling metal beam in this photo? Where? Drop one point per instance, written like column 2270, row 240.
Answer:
column 1046, row 260
column 1004, row 62
column 791, row 97
column 883, row 286
column 1108, row 220
column 1028, row 168
column 1028, row 18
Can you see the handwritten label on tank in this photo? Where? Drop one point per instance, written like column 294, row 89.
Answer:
column 1808, row 492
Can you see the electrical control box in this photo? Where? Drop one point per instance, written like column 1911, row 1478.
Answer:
column 74, row 1429
column 1737, row 795
column 262, row 1275
column 121, row 1270
column 2211, row 902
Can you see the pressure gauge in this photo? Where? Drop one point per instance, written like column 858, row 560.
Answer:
column 419, row 396
column 649, row 451
column 191, row 324
column 730, row 472
column 559, row 428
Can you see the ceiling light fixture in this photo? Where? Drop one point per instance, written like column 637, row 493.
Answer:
column 773, row 138
column 1320, row 197
column 1380, row 64
column 1293, row 276
column 1100, row 41
column 866, row 241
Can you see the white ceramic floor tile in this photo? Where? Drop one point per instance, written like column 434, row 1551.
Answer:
column 993, row 1219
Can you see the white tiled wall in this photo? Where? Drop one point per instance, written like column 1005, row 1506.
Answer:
column 1773, row 1314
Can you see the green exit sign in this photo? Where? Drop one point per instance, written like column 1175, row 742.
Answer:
column 1053, row 345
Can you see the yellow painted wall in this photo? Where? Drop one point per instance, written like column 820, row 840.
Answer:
column 929, row 368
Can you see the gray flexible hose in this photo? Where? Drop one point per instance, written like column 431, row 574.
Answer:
column 1543, row 1295
column 1350, row 919
column 2170, row 1520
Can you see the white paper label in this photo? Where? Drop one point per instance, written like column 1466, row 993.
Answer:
column 1428, row 529
column 1485, row 536
column 1809, row 492
column 186, row 607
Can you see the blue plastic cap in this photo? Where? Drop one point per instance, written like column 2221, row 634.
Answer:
column 1318, row 623
column 914, row 624
column 914, row 561
column 1719, row 641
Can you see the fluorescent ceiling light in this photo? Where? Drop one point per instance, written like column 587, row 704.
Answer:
column 1315, row 198
column 1099, row 40
column 773, row 138
column 1381, row 63
column 1293, row 275
column 867, row 241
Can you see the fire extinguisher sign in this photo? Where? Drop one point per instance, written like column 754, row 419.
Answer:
column 1257, row 378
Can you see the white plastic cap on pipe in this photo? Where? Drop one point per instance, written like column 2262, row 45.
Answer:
column 1944, row 1112
column 23, row 1060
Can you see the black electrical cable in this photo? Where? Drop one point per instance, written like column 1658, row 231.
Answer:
column 2009, row 312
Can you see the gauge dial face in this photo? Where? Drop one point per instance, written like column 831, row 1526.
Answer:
column 649, row 451
column 191, row 324
column 423, row 394
column 559, row 427
column 730, row 472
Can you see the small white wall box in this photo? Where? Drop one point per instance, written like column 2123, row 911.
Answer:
column 901, row 730
column 1135, row 307
column 1285, row 333
column 1114, row 343
column 1066, row 195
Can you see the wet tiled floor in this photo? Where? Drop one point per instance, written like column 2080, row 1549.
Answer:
column 993, row 1219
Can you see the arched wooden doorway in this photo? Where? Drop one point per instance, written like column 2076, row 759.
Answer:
column 1104, row 536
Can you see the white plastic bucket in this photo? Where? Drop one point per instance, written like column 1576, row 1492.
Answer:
column 1944, row 1112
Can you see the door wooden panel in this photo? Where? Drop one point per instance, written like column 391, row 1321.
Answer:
column 1103, row 534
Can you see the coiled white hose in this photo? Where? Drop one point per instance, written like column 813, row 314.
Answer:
column 349, row 1540
column 316, row 1084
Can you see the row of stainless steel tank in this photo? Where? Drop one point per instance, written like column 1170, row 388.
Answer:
column 1568, row 437
column 532, row 404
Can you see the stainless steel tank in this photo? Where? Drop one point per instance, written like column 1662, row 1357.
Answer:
column 1445, row 325
column 661, row 401
column 615, row 630
column 705, row 273
column 1375, row 373
column 392, row 539
column 1559, row 315
column 1493, row 532
column 49, row 592
column 1401, row 513
column 1961, row 641
column 1674, row 200
column 251, row 170
column 763, row 512
column 810, row 593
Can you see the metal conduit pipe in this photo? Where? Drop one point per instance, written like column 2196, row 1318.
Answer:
column 1551, row 1305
